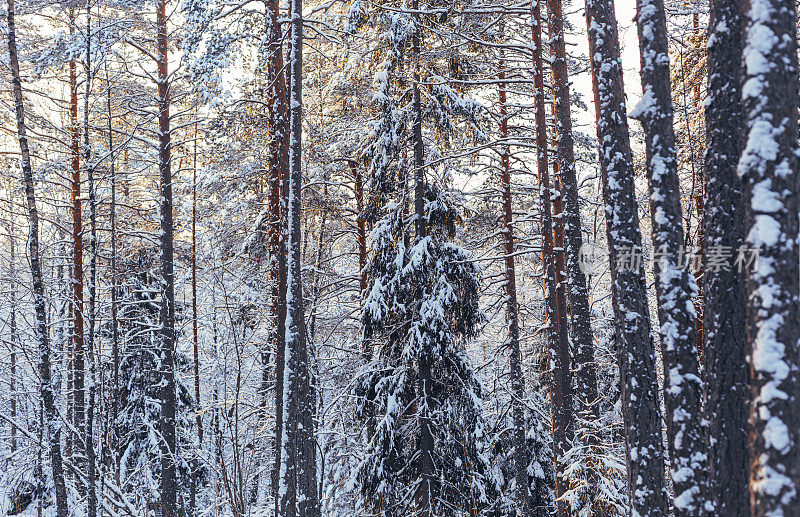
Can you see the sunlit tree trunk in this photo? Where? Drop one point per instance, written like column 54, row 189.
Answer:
column 78, row 346
column 557, row 339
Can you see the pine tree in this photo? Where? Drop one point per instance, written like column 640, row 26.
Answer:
column 42, row 335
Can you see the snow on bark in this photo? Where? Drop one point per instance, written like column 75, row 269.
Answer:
column 769, row 168
column 675, row 285
column 297, row 488
column 640, row 406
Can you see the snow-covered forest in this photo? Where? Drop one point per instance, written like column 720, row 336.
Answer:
column 503, row 258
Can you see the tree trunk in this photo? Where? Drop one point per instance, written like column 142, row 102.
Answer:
column 521, row 453
column 167, row 424
column 53, row 426
column 78, row 366
column 424, row 494
column 769, row 167
column 558, row 343
column 114, row 288
column 725, row 346
column 675, row 283
column 582, row 343
column 278, row 170
column 639, row 388
column 195, row 340
column 298, row 474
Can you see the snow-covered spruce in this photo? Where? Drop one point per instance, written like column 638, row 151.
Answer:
column 422, row 306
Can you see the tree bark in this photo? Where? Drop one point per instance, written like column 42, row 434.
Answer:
column 725, row 345
column 769, row 167
column 78, row 364
column 675, row 283
column 278, row 170
column 580, row 322
column 639, row 388
column 53, row 427
column 168, row 395
column 114, row 287
column 424, row 494
column 298, row 474
column 557, row 339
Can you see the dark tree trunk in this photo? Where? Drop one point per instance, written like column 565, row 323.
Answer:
column 675, row 284
column 114, row 289
column 639, row 388
column 424, row 494
column 169, row 485
column 582, row 343
column 769, row 168
column 298, row 479
column 51, row 415
column 725, row 346
column 195, row 340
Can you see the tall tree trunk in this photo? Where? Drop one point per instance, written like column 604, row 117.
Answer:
column 582, row 343
column 167, row 425
column 424, row 502
column 91, row 471
column 195, row 340
column 278, row 177
column 298, row 474
column 78, row 366
column 53, row 426
column 557, row 338
column 769, row 167
column 639, row 388
column 725, row 365
column 521, row 454
column 675, row 284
